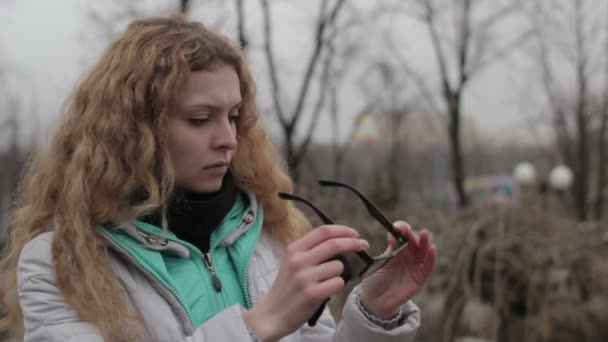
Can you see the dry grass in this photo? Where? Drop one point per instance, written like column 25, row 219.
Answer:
column 510, row 274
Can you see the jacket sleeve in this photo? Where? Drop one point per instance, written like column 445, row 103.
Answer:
column 46, row 315
column 355, row 326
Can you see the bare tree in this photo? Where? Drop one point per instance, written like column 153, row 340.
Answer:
column 290, row 120
column 12, row 159
column 109, row 17
column 463, row 46
column 240, row 15
column 460, row 60
column 570, row 107
column 582, row 166
column 184, row 6
column 602, row 141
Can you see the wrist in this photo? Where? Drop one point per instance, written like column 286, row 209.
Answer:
column 379, row 309
column 262, row 324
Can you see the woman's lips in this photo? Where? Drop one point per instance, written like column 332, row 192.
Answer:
column 220, row 167
column 216, row 165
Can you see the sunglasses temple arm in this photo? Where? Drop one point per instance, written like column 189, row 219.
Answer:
column 371, row 208
column 312, row 321
column 377, row 214
column 322, row 216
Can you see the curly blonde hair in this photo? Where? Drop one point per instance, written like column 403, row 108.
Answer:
column 112, row 144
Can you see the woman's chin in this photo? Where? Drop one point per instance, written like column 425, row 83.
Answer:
column 208, row 182
column 208, row 186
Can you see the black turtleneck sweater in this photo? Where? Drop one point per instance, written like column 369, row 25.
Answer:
column 194, row 216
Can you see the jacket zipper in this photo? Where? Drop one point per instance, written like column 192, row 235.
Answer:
column 247, row 218
column 165, row 291
column 207, row 260
column 215, row 281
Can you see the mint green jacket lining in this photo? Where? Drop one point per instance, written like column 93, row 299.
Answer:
column 186, row 277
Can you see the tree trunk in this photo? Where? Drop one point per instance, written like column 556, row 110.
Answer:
column 601, row 172
column 581, row 170
column 290, row 156
column 601, row 151
column 456, row 155
column 241, row 25
column 184, row 6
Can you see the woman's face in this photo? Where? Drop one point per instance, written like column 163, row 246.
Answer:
column 202, row 134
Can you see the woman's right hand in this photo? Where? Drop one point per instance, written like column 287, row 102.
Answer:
column 306, row 278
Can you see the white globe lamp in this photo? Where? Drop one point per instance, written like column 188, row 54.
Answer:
column 561, row 178
column 525, row 173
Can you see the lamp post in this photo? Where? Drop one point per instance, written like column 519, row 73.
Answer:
column 525, row 175
column 560, row 179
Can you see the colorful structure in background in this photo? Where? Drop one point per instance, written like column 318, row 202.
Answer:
column 366, row 128
column 492, row 191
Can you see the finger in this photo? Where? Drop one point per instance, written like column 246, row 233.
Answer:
column 425, row 241
column 429, row 261
column 333, row 247
column 409, row 234
column 323, row 233
column 327, row 288
column 327, row 270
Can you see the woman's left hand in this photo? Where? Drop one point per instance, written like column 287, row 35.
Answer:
column 385, row 291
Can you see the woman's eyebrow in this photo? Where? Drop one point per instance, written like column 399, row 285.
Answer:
column 209, row 106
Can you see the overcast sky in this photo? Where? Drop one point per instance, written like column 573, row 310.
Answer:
column 46, row 45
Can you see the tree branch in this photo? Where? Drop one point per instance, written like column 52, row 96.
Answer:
column 501, row 53
column 241, row 24
column 272, row 70
column 324, row 22
column 318, row 106
column 558, row 111
column 464, row 41
column 439, row 54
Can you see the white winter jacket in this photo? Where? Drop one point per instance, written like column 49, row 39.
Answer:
column 48, row 317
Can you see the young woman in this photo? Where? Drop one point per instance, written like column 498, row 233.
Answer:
column 153, row 215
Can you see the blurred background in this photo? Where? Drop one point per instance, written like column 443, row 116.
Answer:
column 483, row 121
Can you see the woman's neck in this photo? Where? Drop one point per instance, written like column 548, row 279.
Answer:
column 193, row 216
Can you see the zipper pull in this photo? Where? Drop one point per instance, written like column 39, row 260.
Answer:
column 248, row 218
column 217, row 284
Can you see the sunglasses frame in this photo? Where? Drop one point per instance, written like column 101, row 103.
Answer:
column 373, row 263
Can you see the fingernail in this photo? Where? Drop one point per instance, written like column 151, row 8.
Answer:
column 364, row 244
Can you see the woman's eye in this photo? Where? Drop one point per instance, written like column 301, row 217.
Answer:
column 198, row 121
column 234, row 115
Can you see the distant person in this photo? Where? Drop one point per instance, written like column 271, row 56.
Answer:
column 153, row 215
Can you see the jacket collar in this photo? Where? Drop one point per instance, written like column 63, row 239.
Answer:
column 159, row 240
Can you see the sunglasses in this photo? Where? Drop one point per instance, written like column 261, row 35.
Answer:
column 361, row 263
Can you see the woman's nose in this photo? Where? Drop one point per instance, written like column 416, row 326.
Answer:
column 225, row 135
